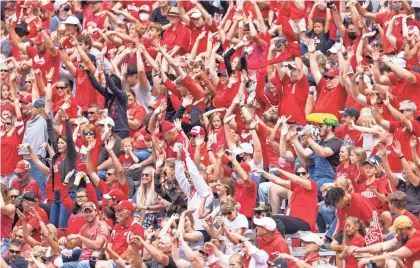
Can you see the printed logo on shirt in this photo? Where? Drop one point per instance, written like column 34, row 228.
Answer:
column 368, row 194
column 39, row 60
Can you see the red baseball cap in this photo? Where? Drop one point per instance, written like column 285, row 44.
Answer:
column 38, row 39
column 48, row 7
column 197, row 130
column 116, row 194
column 166, row 126
column 26, row 99
column 145, row 8
column 125, row 204
column 333, row 72
column 22, row 166
column 30, row 4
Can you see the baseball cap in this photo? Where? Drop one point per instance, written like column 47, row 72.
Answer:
column 333, row 72
column 145, row 8
column 38, row 39
column 166, row 126
column 48, row 7
column 197, row 130
column 350, row 111
column 58, row 4
column 400, row 62
column 116, row 194
column 266, row 222
column 38, row 104
column 223, row 73
column 196, row 14
column 333, row 50
column 408, row 105
column 26, row 99
column 108, row 120
column 173, row 11
column 125, row 204
column 22, row 166
column 244, row 148
column 72, row 20
column 89, row 205
column 372, row 161
column 279, row 263
column 28, row 196
column 30, row 4
column 310, row 237
column 132, row 70
column 401, row 222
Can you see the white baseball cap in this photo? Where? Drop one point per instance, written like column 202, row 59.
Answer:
column 400, row 62
column 72, row 20
column 244, row 148
column 267, row 223
column 196, row 14
column 310, row 237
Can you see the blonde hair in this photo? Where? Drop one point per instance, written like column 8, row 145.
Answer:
column 227, row 204
column 38, row 251
column 145, row 195
column 125, row 142
column 237, row 258
column 361, row 154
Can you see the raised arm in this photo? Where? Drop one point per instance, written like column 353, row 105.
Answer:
column 312, row 59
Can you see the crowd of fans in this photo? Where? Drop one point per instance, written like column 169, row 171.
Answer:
column 248, row 133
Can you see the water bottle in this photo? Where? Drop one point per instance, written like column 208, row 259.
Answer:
column 289, row 244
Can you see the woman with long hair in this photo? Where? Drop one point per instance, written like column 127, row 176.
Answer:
column 145, row 199
column 31, row 17
column 213, row 120
column 186, row 229
column 357, row 158
column 345, row 166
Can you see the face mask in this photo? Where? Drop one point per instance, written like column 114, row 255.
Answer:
column 67, row 8
column 396, row 6
column 239, row 158
column 352, row 35
column 144, row 16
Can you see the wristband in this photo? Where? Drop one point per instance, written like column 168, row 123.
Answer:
column 401, row 157
column 49, row 82
column 253, row 129
column 147, row 208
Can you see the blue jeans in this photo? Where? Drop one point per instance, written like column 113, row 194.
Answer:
column 263, row 192
column 58, row 213
column 74, row 256
column 331, row 230
column 5, row 245
column 324, row 217
column 76, row 264
column 39, row 177
column 142, row 154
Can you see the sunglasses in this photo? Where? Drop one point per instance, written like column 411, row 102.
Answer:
column 328, row 77
column 93, row 258
column 28, row 82
column 145, row 175
column 20, row 175
column 301, row 173
column 14, row 251
column 91, row 113
column 227, row 213
column 8, row 123
column 91, row 133
column 14, row 196
column 19, row 236
column 81, row 196
column 403, row 111
column 4, row 70
column 60, row 88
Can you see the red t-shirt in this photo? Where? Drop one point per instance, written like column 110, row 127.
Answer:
column 357, row 241
column 413, row 218
column 359, row 207
column 121, row 235
column 6, row 225
column 275, row 244
column 303, row 203
column 351, row 171
column 9, row 152
column 393, row 159
column 403, row 135
column 406, row 90
column 330, row 101
column 31, row 186
column 219, row 139
column 138, row 112
column 294, row 98
column 104, row 189
column 295, row 12
column 32, row 31
column 92, row 232
column 85, row 93
column 383, row 110
column 246, row 195
column 34, row 222
column 202, row 45
column 81, row 148
column 151, row 50
column 364, row 190
column 170, row 152
column 94, row 21
column 178, row 36
column 204, row 156
column 126, row 161
column 353, row 136
column 413, row 244
column 44, row 62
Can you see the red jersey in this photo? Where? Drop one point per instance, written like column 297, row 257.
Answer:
column 6, row 225
column 246, row 195
column 94, row 21
column 413, row 244
column 349, row 136
column 44, row 62
column 104, row 189
column 36, row 234
column 357, row 241
column 9, row 152
column 219, row 139
column 85, row 93
column 81, row 149
column 92, row 231
column 57, row 174
column 359, row 207
column 365, row 190
column 126, row 161
column 121, row 235
column 406, row 90
column 202, row 45
column 294, row 98
column 330, row 101
column 275, row 244
column 135, row 111
column 172, row 148
column 303, row 203
column 403, row 135
column 32, row 31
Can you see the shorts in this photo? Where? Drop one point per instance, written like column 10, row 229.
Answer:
column 298, row 25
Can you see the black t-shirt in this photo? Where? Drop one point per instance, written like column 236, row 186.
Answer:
column 413, row 196
column 19, row 263
column 155, row 264
column 334, row 144
column 320, row 40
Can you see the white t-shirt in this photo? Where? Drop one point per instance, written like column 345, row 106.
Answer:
column 239, row 222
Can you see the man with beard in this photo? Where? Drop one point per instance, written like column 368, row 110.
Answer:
column 92, row 236
column 406, row 245
column 15, row 260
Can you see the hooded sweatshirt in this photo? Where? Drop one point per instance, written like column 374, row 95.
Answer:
column 276, row 243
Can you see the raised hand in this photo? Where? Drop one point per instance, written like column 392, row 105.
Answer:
column 187, row 101
column 140, row 47
column 109, row 144
column 160, row 160
column 413, row 142
column 311, row 46
column 397, row 148
column 178, row 124
column 91, row 145
column 201, row 35
column 50, row 74
column 382, row 150
column 68, row 176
